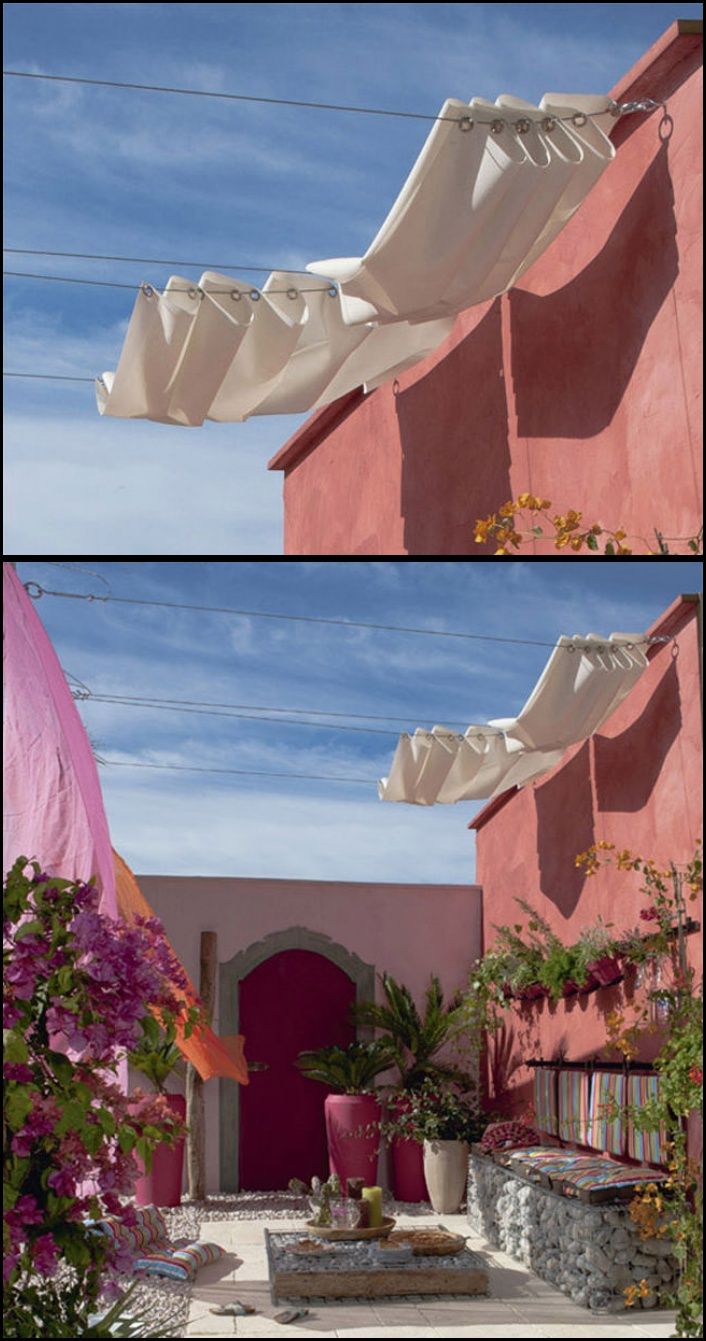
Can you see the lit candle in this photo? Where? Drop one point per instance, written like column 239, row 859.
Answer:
column 373, row 1196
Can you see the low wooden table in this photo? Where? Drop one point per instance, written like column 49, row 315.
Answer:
column 355, row 1273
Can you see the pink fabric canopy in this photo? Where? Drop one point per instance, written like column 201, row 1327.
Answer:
column 53, row 808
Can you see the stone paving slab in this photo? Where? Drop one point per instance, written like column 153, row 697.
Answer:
column 519, row 1305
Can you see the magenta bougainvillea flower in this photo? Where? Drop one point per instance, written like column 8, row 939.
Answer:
column 79, row 990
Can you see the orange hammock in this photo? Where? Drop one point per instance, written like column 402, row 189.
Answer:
column 209, row 1054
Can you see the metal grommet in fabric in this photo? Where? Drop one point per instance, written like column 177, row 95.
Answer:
column 255, row 295
column 549, row 123
column 147, row 290
column 579, row 119
column 599, row 649
column 523, row 125
column 675, row 648
column 236, row 295
column 395, row 388
column 570, row 647
column 332, row 291
column 34, row 590
column 614, row 109
column 630, row 646
column 466, row 123
column 192, row 293
column 497, row 127
column 292, row 293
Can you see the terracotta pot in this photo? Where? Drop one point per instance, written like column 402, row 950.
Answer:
column 446, row 1171
column 351, row 1152
column 407, row 1163
column 607, row 970
column 162, row 1185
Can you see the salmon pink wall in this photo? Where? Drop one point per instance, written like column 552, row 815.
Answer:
column 409, row 930
column 582, row 385
column 636, row 783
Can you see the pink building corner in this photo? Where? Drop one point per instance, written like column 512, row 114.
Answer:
column 582, row 385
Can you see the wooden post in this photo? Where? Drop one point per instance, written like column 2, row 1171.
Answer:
column 195, row 1144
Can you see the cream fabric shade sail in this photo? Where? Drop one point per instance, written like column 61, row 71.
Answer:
column 583, row 682
column 476, row 210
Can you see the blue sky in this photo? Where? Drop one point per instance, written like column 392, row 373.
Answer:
column 210, row 824
column 134, row 173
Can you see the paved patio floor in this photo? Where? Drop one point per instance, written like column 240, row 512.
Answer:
column 518, row 1304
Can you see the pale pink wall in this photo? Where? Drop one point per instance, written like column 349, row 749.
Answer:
column 409, row 930
column 637, row 783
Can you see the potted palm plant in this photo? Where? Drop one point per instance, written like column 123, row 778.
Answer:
column 158, row 1057
column 415, row 1039
column 352, row 1113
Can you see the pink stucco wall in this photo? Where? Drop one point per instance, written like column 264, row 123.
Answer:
column 636, row 783
column 582, row 385
column 409, row 930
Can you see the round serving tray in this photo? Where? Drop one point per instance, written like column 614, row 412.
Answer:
column 430, row 1242
column 325, row 1231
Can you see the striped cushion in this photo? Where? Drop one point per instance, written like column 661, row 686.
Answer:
column 606, row 1132
column 545, row 1099
column 601, row 1173
column 180, row 1263
column 150, row 1227
column 647, row 1145
column 573, row 1106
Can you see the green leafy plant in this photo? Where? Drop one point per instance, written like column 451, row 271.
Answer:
column 350, row 1070
column 561, row 968
column 438, row 1113
column 157, row 1056
column 415, row 1040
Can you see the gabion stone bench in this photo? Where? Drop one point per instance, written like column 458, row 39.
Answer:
column 589, row 1250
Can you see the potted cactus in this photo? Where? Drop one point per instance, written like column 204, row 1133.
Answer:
column 352, row 1114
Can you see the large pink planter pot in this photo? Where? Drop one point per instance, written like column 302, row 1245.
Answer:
column 353, row 1135
column 162, row 1185
column 407, row 1164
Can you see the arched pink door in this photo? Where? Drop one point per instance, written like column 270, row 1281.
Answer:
column 294, row 1000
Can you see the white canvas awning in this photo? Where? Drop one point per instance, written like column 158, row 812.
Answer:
column 582, row 683
column 491, row 188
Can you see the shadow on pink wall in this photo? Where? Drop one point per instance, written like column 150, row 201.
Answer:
column 564, row 808
column 628, row 765
column 575, row 350
column 453, row 428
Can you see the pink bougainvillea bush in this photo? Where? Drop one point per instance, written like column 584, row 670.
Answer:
column 79, row 991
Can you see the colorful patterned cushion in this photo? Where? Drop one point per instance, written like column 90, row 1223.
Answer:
column 573, row 1106
column 606, row 1132
column 180, row 1263
column 592, row 1174
column 545, row 1099
column 648, row 1145
column 150, row 1227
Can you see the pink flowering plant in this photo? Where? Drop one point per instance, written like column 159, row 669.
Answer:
column 81, row 991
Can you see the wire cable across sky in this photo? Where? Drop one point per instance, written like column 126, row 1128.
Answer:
column 36, row 590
